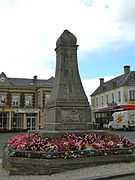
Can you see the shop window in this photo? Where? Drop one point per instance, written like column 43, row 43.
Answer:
column 3, row 121
column 17, row 119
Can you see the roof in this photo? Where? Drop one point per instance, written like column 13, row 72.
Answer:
column 28, row 82
column 126, row 79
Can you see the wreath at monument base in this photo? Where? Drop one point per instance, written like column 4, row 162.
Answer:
column 31, row 145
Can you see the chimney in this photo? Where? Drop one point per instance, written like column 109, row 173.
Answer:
column 101, row 81
column 126, row 69
column 35, row 77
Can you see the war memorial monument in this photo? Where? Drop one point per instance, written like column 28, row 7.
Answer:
column 67, row 108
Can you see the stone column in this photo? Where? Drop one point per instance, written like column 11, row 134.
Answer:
column 10, row 120
column 24, row 121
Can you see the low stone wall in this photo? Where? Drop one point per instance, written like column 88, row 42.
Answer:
column 34, row 166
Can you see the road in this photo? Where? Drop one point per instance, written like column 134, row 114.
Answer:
column 4, row 137
column 129, row 134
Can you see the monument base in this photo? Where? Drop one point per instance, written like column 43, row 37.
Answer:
column 67, row 118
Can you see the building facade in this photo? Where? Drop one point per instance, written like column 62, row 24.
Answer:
column 22, row 102
column 114, row 95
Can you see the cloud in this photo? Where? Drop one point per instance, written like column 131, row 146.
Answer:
column 87, row 3
column 122, row 14
column 90, row 85
column 30, row 28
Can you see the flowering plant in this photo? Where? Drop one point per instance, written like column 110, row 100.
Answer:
column 68, row 145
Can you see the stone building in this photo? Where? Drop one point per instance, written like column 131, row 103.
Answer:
column 22, row 102
column 114, row 95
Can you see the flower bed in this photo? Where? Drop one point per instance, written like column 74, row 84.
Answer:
column 30, row 154
column 68, row 145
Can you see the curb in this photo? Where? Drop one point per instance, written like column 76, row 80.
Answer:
column 37, row 166
column 110, row 176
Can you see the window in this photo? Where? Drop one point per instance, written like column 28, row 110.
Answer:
column 107, row 99
column 28, row 100
column 15, row 100
column 102, row 100
column 47, row 96
column 2, row 99
column 119, row 96
column 131, row 82
column 112, row 97
column 96, row 101
column 131, row 95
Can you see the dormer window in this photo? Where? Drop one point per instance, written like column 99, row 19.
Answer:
column 2, row 79
column 114, row 84
column 131, row 82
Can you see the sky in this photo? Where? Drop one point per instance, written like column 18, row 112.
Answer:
column 105, row 31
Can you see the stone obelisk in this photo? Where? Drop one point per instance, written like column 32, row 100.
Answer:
column 67, row 107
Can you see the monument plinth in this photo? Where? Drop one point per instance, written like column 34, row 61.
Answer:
column 68, row 107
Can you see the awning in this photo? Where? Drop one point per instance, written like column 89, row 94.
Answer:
column 116, row 108
column 128, row 107
column 107, row 109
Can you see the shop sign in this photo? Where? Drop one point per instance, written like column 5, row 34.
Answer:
column 131, row 102
column 112, row 104
column 26, row 111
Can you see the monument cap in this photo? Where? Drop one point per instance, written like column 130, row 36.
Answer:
column 66, row 38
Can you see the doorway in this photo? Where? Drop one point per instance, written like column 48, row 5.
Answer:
column 31, row 121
